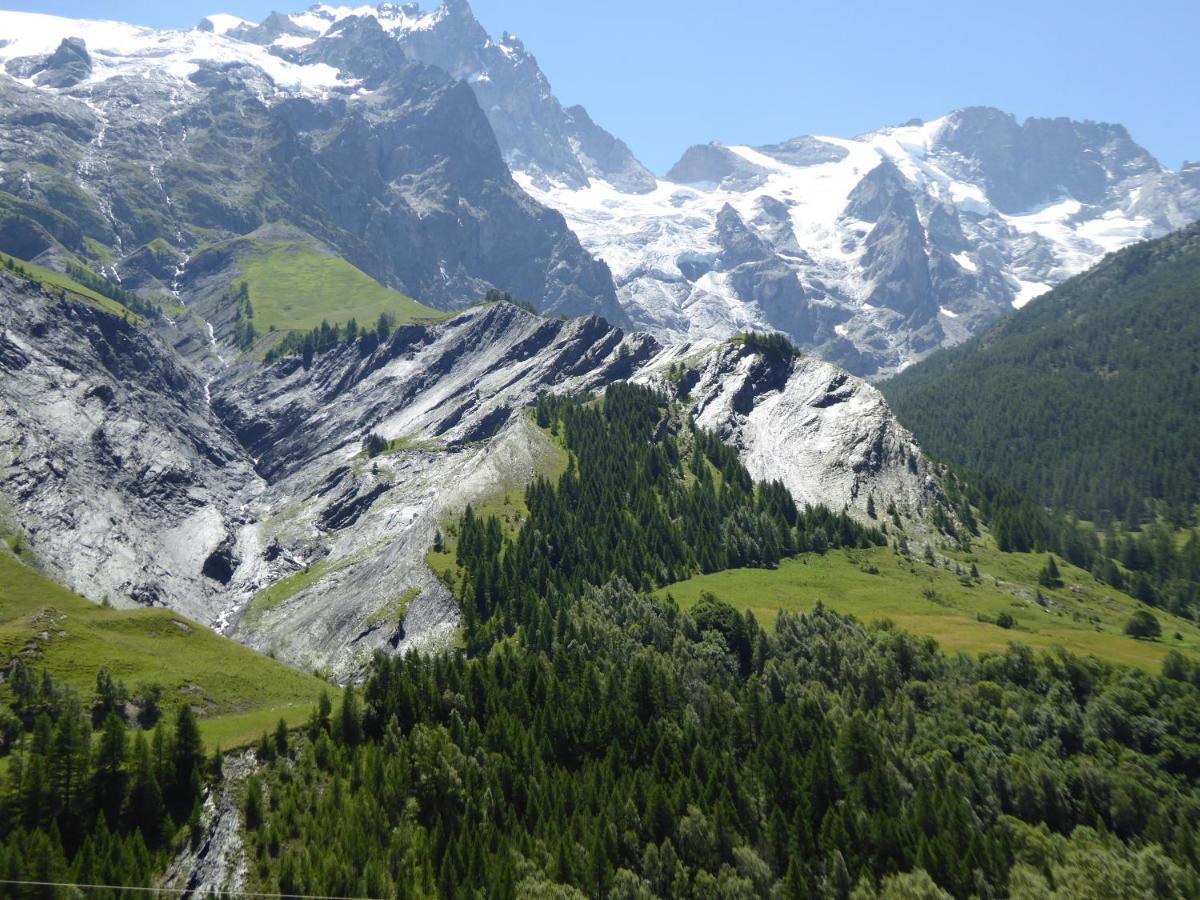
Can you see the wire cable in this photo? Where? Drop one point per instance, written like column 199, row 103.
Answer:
column 176, row 891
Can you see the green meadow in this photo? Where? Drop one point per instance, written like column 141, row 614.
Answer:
column 237, row 692
column 294, row 285
column 959, row 612
column 70, row 288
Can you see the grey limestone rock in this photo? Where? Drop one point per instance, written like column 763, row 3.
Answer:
column 713, row 164
column 127, row 486
column 804, row 151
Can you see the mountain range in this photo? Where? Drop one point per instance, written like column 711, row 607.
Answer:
column 875, row 250
column 337, row 163
column 210, row 507
column 869, row 251
column 405, row 492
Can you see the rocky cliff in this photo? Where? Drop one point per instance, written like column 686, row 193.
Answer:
column 827, row 435
column 450, row 401
column 183, row 138
column 263, row 516
column 123, row 482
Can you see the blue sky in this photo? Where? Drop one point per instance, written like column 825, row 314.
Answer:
column 665, row 74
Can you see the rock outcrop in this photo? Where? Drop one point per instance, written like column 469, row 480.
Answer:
column 827, row 435
column 126, row 486
column 389, row 161
column 264, row 517
column 451, row 399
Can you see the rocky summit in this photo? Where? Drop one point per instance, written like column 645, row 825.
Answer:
column 870, row 251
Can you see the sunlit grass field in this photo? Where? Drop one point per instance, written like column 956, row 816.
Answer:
column 1084, row 616
column 237, row 692
column 294, row 286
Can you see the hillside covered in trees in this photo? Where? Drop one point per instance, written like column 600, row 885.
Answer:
column 642, row 754
column 595, row 742
column 648, row 498
column 88, row 799
column 1086, row 400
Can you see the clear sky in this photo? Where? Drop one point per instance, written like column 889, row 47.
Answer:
column 665, row 74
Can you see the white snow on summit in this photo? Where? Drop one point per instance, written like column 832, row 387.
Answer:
column 121, row 49
column 224, row 22
column 648, row 240
column 392, row 17
column 890, row 289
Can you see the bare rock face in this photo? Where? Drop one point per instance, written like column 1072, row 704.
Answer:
column 353, row 533
column 758, row 273
column 218, row 863
column 125, row 484
column 827, row 435
column 451, row 398
column 66, row 66
column 537, row 135
column 1036, row 161
column 262, row 516
column 714, row 164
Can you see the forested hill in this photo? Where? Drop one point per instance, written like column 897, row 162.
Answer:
column 1088, row 399
column 592, row 741
column 647, row 497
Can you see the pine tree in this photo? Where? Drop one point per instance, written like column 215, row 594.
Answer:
column 795, row 886
column 351, row 721
column 281, row 738
column 187, row 756
column 254, row 809
column 1049, row 576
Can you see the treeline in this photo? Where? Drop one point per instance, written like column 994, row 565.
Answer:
column 647, row 497
column 1155, row 567
column 92, row 804
column 106, row 288
column 1088, row 399
column 774, row 343
column 89, row 279
column 1151, row 563
column 244, row 331
column 326, row 337
column 650, row 752
column 494, row 295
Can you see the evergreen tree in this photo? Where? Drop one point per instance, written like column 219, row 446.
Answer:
column 1049, row 576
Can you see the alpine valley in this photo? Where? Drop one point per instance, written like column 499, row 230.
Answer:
column 405, row 492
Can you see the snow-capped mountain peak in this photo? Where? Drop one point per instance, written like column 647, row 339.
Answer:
column 536, row 133
column 221, row 23
column 871, row 250
column 895, row 242
column 116, row 49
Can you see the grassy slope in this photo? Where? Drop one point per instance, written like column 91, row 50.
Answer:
column 74, row 290
column 506, row 502
column 294, row 285
column 239, row 693
column 1084, row 616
